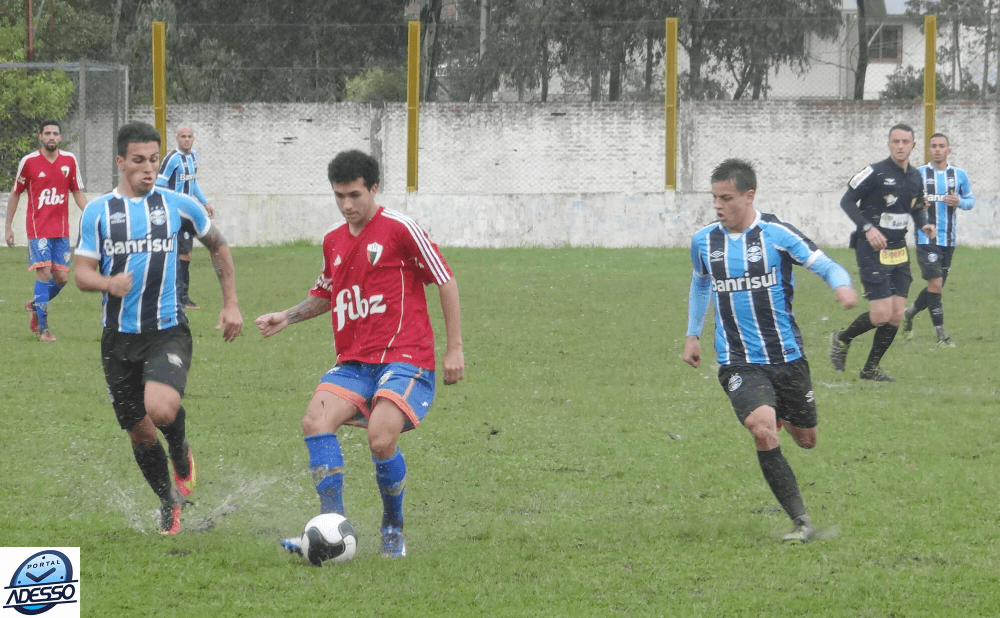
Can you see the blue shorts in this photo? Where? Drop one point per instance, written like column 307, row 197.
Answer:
column 410, row 388
column 52, row 252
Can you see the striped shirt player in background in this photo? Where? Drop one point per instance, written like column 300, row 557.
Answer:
column 49, row 175
column 128, row 251
column 945, row 188
column 744, row 264
column 375, row 268
column 880, row 200
column 179, row 172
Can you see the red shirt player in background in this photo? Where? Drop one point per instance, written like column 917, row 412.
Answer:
column 49, row 175
column 375, row 267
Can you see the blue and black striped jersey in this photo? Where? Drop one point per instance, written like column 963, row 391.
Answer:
column 139, row 236
column 749, row 278
column 937, row 184
column 179, row 172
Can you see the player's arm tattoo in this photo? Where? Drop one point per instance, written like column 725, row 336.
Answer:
column 309, row 308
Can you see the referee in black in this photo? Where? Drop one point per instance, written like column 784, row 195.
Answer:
column 880, row 200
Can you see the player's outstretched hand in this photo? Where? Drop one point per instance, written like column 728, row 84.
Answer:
column 271, row 323
column 692, row 351
column 454, row 366
column 230, row 323
column 846, row 296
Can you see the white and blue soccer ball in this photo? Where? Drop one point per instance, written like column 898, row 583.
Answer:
column 329, row 538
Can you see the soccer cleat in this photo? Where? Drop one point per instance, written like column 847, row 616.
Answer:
column 945, row 343
column 185, row 485
column 838, row 351
column 802, row 531
column 47, row 336
column 293, row 545
column 170, row 518
column 907, row 325
column 393, row 543
column 33, row 319
column 190, row 304
column 875, row 375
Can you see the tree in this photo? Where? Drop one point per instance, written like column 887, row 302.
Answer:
column 26, row 97
column 978, row 20
column 907, row 84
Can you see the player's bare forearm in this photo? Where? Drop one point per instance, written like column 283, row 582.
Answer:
column 230, row 318
column 273, row 323
column 80, row 199
column 89, row 279
column 12, row 201
column 451, row 310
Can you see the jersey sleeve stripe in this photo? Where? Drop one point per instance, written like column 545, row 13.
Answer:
column 434, row 262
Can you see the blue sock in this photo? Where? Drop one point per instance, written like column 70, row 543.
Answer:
column 55, row 288
column 326, row 464
column 41, row 301
column 391, row 477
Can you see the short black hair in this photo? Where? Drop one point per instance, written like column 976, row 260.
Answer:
column 903, row 127
column 351, row 164
column 135, row 132
column 947, row 141
column 47, row 122
column 740, row 171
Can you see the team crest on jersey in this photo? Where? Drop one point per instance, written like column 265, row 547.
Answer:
column 118, row 217
column 951, row 182
column 65, row 171
column 755, row 253
column 374, row 253
column 158, row 216
column 734, row 382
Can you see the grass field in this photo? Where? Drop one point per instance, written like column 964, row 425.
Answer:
column 580, row 469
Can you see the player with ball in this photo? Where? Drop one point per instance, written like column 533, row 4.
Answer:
column 375, row 267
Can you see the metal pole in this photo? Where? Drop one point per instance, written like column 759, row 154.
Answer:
column 160, row 82
column 82, row 95
column 930, row 81
column 670, row 102
column 412, row 105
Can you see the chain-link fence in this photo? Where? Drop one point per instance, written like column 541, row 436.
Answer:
column 90, row 100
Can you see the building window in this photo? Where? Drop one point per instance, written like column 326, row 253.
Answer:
column 885, row 43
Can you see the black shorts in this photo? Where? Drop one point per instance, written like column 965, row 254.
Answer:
column 934, row 261
column 786, row 387
column 185, row 238
column 882, row 280
column 131, row 360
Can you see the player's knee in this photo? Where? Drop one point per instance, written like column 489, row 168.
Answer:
column 61, row 277
column 806, row 442
column 382, row 445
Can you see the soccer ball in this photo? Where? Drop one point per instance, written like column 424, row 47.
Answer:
column 329, row 538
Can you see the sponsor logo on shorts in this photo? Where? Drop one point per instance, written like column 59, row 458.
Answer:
column 932, row 257
column 810, row 397
column 385, row 377
column 735, row 381
column 175, row 360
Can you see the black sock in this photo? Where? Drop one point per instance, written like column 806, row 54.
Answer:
column 880, row 343
column 935, row 308
column 781, row 479
column 152, row 462
column 861, row 325
column 920, row 304
column 176, row 443
column 183, row 278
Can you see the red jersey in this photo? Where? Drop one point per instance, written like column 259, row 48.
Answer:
column 49, row 186
column 375, row 284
